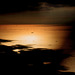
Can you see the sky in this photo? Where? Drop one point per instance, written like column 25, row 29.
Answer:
column 36, row 34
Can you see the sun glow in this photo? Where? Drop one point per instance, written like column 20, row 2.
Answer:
column 30, row 39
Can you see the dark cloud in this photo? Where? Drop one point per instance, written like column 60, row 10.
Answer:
column 9, row 49
column 55, row 16
column 4, row 40
column 13, row 6
column 70, row 2
column 20, row 46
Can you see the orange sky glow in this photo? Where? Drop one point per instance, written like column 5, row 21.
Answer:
column 42, row 36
